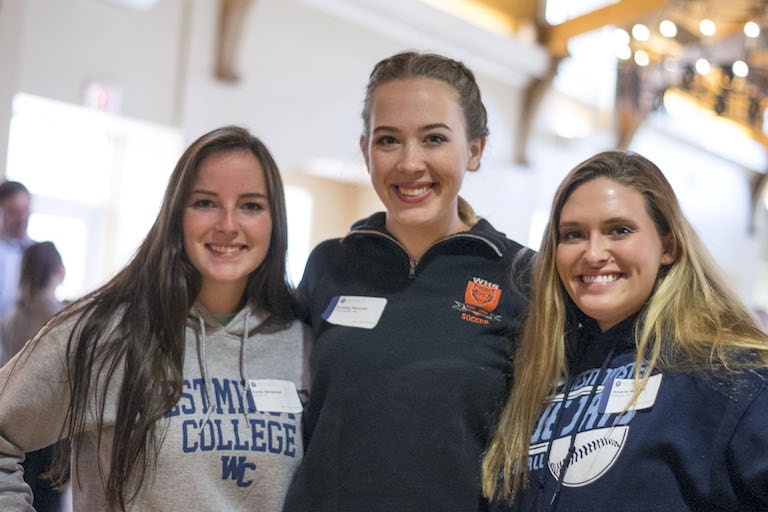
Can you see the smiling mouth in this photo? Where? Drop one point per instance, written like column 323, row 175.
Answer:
column 413, row 192
column 225, row 249
column 600, row 279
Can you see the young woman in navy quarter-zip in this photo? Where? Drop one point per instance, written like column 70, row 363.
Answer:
column 410, row 310
column 640, row 376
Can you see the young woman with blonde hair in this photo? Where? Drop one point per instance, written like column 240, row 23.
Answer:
column 638, row 380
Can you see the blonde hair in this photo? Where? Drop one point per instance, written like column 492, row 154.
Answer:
column 467, row 214
column 691, row 321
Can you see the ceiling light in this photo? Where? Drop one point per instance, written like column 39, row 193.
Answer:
column 624, row 52
column 702, row 66
column 642, row 58
column 751, row 29
column 641, row 32
column 740, row 68
column 621, row 37
column 707, row 27
column 667, row 28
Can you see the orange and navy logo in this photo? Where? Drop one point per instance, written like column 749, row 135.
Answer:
column 481, row 298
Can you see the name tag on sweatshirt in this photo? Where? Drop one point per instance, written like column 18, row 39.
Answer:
column 272, row 395
column 355, row 311
column 618, row 392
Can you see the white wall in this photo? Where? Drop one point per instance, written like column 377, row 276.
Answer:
column 304, row 71
column 10, row 56
column 65, row 44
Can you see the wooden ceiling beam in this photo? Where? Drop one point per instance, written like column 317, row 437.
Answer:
column 520, row 10
column 556, row 37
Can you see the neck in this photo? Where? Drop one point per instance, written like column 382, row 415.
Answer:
column 418, row 239
column 50, row 293
column 222, row 299
column 29, row 294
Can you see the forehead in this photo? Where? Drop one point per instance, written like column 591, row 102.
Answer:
column 604, row 198
column 230, row 170
column 412, row 96
column 20, row 198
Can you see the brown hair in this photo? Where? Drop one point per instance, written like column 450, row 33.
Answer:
column 408, row 65
column 133, row 326
column 39, row 264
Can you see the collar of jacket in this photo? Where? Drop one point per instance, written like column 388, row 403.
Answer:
column 482, row 231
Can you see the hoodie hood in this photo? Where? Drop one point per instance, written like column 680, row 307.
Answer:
column 247, row 316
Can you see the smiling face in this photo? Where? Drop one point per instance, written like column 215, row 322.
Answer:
column 609, row 250
column 227, row 225
column 417, row 153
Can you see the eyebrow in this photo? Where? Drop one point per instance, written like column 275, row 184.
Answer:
column 206, row 192
column 612, row 220
column 424, row 128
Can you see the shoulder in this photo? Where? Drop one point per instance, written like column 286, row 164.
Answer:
column 325, row 247
column 738, row 389
column 506, row 245
column 323, row 254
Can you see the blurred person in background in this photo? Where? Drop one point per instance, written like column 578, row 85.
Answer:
column 42, row 271
column 15, row 203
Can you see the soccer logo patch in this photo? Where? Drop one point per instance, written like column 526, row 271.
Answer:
column 481, row 298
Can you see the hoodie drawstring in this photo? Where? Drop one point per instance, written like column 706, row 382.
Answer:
column 243, row 366
column 554, row 502
column 205, row 375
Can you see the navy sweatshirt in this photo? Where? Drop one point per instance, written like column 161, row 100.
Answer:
column 401, row 412
column 700, row 442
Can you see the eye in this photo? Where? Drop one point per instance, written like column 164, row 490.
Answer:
column 621, row 231
column 570, row 236
column 386, row 140
column 202, row 204
column 253, row 206
column 435, row 138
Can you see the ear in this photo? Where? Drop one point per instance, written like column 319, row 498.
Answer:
column 476, row 148
column 669, row 250
column 364, row 150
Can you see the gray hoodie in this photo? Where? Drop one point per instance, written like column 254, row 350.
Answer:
column 232, row 442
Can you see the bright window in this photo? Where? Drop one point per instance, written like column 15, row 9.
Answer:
column 96, row 181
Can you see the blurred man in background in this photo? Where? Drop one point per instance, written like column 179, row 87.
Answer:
column 14, row 215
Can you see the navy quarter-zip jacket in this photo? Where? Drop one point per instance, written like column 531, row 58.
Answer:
column 400, row 413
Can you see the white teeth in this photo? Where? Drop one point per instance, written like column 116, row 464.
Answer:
column 413, row 191
column 603, row 278
column 226, row 249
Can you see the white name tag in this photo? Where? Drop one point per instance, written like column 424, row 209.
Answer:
column 271, row 395
column 621, row 391
column 355, row 311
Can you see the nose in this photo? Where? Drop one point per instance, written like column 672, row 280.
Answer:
column 412, row 158
column 597, row 251
column 226, row 222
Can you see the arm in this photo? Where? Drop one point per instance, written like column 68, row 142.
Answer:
column 746, row 457
column 34, row 397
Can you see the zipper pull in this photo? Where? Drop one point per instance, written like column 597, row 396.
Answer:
column 412, row 271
